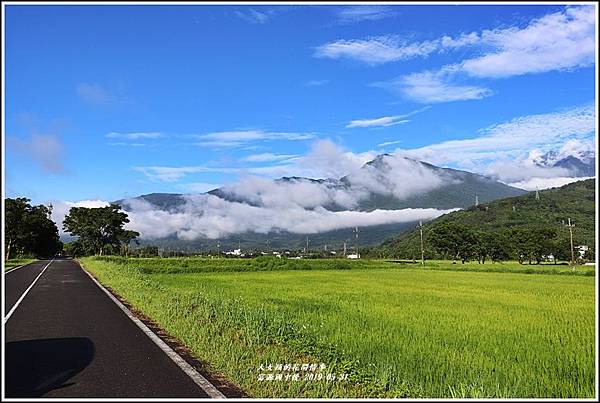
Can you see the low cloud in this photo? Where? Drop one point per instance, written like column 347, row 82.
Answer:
column 207, row 216
column 545, row 183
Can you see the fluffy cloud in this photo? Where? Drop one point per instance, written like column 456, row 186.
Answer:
column 558, row 41
column 327, row 159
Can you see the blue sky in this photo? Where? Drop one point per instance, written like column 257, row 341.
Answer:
column 107, row 102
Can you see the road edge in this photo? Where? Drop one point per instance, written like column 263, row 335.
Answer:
column 190, row 371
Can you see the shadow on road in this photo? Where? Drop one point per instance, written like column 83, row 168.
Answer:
column 35, row 367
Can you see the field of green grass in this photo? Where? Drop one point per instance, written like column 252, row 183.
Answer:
column 396, row 330
column 12, row 263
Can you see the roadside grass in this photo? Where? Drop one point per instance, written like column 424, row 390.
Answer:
column 396, row 333
column 12, row 263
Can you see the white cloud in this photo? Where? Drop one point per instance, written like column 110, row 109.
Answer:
column 376, row 50
column 545, row 183
column 397, row 176
column 134, row 135
column 511, row 139
column 61, row 208
column 353, row 14
column 212, row 217
column 173, row 174
column 560, row 41
column 268, row 157
column 378, row 122
column 237, row 138
column 389, row 143
column 255, row 17
column 433, row 87
column 327, row 159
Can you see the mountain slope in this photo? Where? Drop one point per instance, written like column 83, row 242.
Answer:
column 386, row 183
column 555, row 206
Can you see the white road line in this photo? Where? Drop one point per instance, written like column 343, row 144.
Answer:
column 12, row 310
column 198, row 379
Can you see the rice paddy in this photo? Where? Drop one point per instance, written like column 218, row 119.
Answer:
column 393, row 330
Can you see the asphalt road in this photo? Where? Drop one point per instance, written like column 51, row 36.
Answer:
column 20, row 280
column 68, row 339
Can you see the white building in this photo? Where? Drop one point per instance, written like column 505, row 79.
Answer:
column 235, row 252
column 353, row 256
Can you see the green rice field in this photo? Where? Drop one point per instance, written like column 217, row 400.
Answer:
column 389, row 329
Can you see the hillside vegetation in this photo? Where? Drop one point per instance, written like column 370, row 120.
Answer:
column 552, row 210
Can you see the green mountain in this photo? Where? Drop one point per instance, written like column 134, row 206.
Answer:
column 553, row 208
column 380, row 184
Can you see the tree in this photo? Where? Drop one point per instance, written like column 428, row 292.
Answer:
column 29, row 229
column 99, row 228
column 456, row 240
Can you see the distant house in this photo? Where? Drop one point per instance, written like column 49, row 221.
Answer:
column 353, row 256
column 582, row 249
column 235, row 252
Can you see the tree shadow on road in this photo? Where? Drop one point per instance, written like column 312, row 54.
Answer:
column 35, row 367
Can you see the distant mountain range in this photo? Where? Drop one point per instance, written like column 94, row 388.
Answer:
column 387, row 182
column 579, row 164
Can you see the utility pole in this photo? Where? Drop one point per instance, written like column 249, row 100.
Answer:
column 306, row 247
column 572, row 248
column 422, row 249
column 344, row 248
column 476, row 200
column 218, row 248
column 356, row 233
column 537, row 194
column 267, row 244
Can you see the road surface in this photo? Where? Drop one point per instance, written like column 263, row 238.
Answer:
column 67, row 338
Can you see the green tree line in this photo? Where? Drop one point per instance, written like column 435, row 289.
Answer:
column 28, row 229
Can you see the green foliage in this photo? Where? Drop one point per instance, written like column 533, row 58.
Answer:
column 524, row 228
column 98, row 229
column 397, row 333
column 29, row 229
